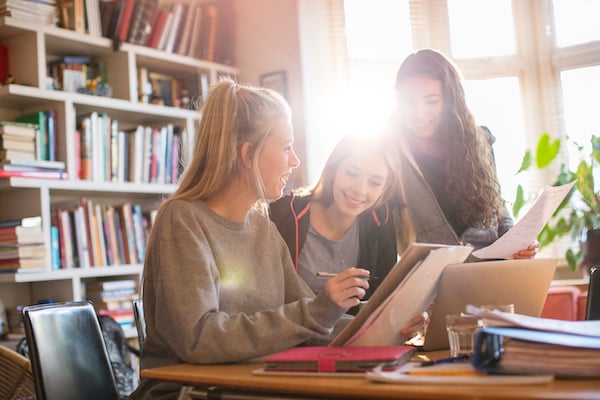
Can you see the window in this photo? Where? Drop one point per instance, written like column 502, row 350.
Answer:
column 529, row 67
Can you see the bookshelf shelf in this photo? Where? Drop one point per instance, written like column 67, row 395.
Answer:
column 31, row 48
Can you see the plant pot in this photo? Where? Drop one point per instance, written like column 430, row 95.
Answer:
column 591, row 250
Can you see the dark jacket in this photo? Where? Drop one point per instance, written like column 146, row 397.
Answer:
column 377, row 239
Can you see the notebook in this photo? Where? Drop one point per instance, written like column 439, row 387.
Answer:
column 338, row 359
column 523, row 283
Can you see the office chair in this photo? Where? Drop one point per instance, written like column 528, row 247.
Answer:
column 140, row 322
column 16, row 381
column 68, row 355
column 592, row 309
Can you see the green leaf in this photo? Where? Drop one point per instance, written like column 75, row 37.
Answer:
column 519, row 201
column 526, row 162
column 546, row 151
column 571, row 259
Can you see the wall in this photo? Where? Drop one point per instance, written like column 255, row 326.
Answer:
column 267, row 40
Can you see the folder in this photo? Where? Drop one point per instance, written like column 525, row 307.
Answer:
column 517, row 350
column 338, row 359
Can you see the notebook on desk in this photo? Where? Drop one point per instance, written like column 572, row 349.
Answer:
column 523, row 283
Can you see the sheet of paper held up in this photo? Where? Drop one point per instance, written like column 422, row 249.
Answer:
column 527, row 228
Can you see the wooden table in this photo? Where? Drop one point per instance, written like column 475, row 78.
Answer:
column 240, row 377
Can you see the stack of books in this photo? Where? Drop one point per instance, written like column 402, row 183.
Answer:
column 22, row 246
column 35, row 11
column 23, row 152
column 115, row 299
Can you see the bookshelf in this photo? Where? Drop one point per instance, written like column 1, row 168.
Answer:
column 30, row 48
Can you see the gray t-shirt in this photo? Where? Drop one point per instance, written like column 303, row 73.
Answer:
column 322, row 254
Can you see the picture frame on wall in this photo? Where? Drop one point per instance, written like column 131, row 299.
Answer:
column 276, row 80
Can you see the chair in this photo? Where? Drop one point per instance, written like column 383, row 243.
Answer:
column 16, row 381
column 68, row 355
column 140, row 322
column 593, row 298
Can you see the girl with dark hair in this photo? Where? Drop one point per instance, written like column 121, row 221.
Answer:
column 445, row 160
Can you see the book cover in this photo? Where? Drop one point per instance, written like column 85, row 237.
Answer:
column 25, row 221
column 338, row 359
column 83, row 246
column 125, row 20
column 16, row 143
column 54, row 247
column 195, row 39
column 22, row 127
column 141, row 21
column 7, row 155
column 158, row 27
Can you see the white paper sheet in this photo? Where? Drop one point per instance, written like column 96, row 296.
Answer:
column 529, row 226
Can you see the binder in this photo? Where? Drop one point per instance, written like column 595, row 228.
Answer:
column 515, row 350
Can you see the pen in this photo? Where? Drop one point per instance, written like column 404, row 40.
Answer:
column 331, row 275
column 447, row 360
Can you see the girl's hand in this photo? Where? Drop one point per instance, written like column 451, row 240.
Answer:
column 347, row 288
column 529, row 252
column 417, row 326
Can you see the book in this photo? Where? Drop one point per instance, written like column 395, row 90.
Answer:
column 187, row 31
column 107, row 285
column 414, row 277
column 7, row 155
column 17, row 264
column 22, row 251
column 34, row 174
column 158, row 26
column 125, row 20
column 515, row 350
column 338, row 359
column 32, row 235
column 23, row 128
column 37, row 164
column 141, row 20
column 25, row 222
column 17, row 143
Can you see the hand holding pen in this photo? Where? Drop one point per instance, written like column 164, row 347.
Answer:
column 347, row 288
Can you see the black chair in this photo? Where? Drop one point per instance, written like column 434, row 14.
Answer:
column 140, row 322
column 592, row 309
column 68, row 354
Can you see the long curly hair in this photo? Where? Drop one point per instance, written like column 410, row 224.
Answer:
column 472, row 185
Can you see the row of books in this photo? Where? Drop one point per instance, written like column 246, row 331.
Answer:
column 22, row 245
column 93, row 235
column 194, row 29
column 145, row 154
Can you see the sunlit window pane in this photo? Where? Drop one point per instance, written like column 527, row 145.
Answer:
column 581, row 96
column 378, row 29
column 496, row 103
column 576, row 21
column 481, row 28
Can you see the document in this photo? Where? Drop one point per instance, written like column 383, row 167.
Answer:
column 526, row 230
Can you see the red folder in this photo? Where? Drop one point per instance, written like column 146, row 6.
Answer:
column 338, row 359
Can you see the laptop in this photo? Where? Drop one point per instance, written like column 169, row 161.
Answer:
column 523, row 283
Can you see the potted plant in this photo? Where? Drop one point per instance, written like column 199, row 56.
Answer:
column 579, row 214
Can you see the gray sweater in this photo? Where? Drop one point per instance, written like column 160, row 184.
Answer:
column 217, row 291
